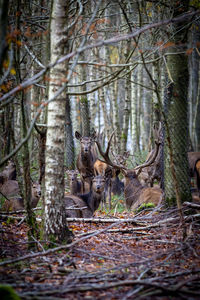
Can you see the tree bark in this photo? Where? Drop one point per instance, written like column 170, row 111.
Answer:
column 55, row 219
column 176, row 162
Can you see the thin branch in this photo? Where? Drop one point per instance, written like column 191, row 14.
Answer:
column 100, row 43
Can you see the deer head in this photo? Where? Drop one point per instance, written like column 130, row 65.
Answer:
column 86, row 142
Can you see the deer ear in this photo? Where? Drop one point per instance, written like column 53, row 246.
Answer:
column 78, row 135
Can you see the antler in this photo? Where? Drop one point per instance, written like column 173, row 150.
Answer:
column 151, row 160
column 105, row 154
column 147, row 163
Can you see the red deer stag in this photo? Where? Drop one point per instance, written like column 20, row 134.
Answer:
column 135, row 192
column 84, row 205
column 86, row 158
column 9, row 189
column 194, row 165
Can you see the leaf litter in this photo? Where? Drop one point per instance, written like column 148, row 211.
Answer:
column 147, row 259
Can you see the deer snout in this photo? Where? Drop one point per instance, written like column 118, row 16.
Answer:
column 99, row 188
column 86, row 149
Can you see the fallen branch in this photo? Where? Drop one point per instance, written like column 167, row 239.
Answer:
column 91, row 287
column 101, row 220
column 192, row 205
column 63, row 247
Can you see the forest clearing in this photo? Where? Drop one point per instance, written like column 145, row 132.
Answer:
column 99, row 149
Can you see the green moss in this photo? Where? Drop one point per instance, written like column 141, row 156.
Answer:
column 8, row 293
column 145, row 206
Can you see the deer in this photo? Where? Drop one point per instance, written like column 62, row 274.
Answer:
column 135, row 193
column 74, row 182
column 10, row 171
column 86, row 158
column 9, row 189
column 117, row 186
column 103, row 169
column 84, row 205
column 194, row 167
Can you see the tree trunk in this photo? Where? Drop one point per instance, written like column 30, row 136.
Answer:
column 176, row 144
column 194, row 87
column 55, row 219
column 69, row 142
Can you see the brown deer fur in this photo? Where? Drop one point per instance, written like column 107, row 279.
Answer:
column 86, row 158
column 74, row 182
column 103, row 169
column 136, row 193
column 10, row 189
column 90, row 200
column 10, row 171
column 194, row 165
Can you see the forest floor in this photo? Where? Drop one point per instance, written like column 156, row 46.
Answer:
column 145, row 258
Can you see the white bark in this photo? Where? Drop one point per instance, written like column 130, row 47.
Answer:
column 55, row 221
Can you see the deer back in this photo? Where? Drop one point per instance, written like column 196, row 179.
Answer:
column 148, row 195
column 81, row 208
column 10, row 189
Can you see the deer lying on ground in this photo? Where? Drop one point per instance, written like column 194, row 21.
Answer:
column 194, row 165
column 9, row 190
column 86, row 204
column 74, row 182
column 135, row 192
column 86, row 159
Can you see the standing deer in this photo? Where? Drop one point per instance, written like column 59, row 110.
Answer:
column 86, row 204
column 135, row 192
column 86, row 158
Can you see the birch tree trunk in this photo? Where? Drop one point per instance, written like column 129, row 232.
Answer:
column 55, row 219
